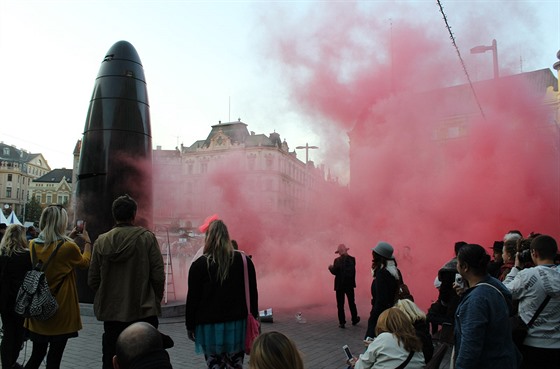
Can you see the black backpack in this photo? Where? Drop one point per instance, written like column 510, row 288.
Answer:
column 34, row 298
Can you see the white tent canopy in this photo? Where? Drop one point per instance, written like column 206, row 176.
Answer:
column 3, row 218
column 12, row 219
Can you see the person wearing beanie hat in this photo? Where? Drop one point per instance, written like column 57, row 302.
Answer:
column 344, row 270
column 386, row 279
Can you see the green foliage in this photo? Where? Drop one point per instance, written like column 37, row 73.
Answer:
column 33, row 210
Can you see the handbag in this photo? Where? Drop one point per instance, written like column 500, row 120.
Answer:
column 253, row 325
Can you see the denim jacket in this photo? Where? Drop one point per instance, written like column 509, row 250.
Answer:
column 482, row 328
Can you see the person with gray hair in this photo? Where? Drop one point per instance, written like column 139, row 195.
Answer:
column 140, row 346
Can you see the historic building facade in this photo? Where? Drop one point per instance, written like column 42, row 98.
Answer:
column 55, row 187
column 446, row 115
column 18, row 168
column 231, row 168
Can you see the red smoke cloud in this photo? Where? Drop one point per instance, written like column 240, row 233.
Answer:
column 426, row 168
column 379, row 74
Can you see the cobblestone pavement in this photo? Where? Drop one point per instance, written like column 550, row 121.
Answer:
column 319, row 339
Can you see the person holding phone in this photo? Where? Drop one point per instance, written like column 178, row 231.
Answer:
column 49, row 337
column 395, row 346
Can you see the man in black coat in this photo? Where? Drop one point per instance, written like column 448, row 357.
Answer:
column 344, row 270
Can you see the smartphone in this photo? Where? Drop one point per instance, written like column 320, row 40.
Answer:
column 347, row 352
column 79, row 225
column 459, row 280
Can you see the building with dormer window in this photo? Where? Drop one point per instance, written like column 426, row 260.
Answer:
column 55, row 187
column 18, row 168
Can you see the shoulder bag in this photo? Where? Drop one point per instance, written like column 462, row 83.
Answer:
column 253, row 326
column 519, row 328
column 405, row 363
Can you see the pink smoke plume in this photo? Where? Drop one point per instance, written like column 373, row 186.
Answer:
column 381, row 75
column 426, row 168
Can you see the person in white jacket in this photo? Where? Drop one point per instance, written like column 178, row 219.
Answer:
column 395, row 344
column 531, row 286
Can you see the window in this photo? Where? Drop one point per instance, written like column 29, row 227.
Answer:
column 8, row 192
column 6, row 151
column 49, row 199
column 38, row 198
column 9, row 177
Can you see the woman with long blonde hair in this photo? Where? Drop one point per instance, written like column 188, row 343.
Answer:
column 274, row 350
column 216, row 309
column 420, row 324
column 14, row 263
column 52, row 335
column 396, row 343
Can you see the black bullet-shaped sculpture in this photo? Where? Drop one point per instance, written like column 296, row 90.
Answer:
column 116, row 150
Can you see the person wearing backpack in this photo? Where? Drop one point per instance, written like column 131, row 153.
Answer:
column 52, row 335
column 14, row 263
column 344, row 270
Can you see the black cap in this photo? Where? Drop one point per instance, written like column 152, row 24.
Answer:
column 498, row 246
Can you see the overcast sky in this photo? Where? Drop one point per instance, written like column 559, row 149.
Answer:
column 204, row 61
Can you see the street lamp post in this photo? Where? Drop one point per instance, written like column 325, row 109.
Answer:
column 494, row 48
column 306, row 147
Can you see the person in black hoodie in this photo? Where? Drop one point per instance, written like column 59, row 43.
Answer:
column 140, row 346
column 14, row 263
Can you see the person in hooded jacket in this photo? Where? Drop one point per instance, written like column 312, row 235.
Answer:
column 127, row 275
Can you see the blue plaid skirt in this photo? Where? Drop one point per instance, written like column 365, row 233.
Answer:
column 220, row 338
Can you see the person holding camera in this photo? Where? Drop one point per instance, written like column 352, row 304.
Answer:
column 532, row 286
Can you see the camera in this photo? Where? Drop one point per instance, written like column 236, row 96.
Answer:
column 525, row 256
column 524, row 249
column 459, row 280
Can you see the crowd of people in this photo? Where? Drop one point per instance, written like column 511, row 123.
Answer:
column 478, row 298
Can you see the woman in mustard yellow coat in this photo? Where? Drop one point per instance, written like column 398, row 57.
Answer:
column 51, row 335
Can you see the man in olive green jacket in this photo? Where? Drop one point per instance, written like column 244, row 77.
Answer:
column 127, row 274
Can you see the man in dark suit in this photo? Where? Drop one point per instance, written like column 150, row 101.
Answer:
column 344, row 270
